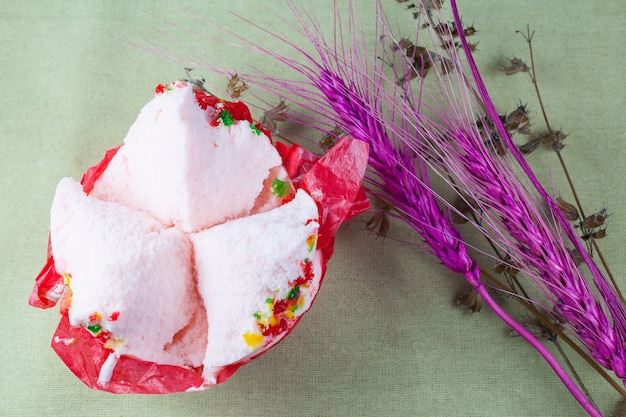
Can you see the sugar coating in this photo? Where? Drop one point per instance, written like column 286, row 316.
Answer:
column 242, row 263
column 182, row 170
column 123, row 262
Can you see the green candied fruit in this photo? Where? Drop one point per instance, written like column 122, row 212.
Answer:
column 226, row 117
column 94, row 329
column 257, row 315
column 279, row 188
column 255, row 129
column 293, row 293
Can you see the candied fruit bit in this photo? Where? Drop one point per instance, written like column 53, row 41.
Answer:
column 280, row 306
column 280, row 188
column 94, row 329
column 95, row 317
column 253, row 340
column 311, row 240
column 255, row 129
column 293, row 293
column 226, row 117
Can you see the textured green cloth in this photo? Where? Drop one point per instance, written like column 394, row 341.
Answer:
column 383, row 338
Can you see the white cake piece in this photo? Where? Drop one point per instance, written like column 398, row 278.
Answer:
column 128, row 276
column 183, row 170
column 243, row 266
column 193, row 249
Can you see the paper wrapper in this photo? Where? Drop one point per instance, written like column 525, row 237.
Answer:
column 334, row 182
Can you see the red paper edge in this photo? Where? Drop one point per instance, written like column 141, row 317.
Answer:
column 85, row 354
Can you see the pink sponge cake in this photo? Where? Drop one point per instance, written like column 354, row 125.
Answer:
column 127, row 276
column 192, row 248
column 255, row 275
column 188, row 166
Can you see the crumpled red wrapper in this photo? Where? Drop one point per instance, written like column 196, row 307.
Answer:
column 334, row 182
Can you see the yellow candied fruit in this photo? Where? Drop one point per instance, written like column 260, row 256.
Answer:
column 66, row 281
column 253, row 340
column 114, row 344
column 273, row 321
column 310, row 242
column 95, row 317
column 289, row 315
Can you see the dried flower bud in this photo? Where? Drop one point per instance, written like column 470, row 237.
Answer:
column 198, row 83
column 273, row 115
column 469, row 31
column 535, row 327
column 506, row 266
column 329, row 140
column 462, row 208
column 445, row 29
column 517, row 120
column 596, row 234
column 570, row 211
column 517, row 65
column 575, row 256
column 236, row 86
column 421, row 60
column 530, row 146
column 470, row 299
column 379, row 222
column 595, row 220
column 403, row 44
column 554, row 140
column 490, row 136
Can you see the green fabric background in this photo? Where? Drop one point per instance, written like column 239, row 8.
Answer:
column 383, row 338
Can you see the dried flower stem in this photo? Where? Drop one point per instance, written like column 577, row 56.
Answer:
column 532, row 73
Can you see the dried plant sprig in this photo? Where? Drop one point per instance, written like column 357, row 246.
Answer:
column 554, row 138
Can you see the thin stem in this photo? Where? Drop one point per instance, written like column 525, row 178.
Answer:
column 553, row 338
column 533, row 75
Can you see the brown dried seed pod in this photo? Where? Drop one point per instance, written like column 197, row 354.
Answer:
column 595, row 220
column 470, row 299
column 236, row 86
column 516, row 65
column 530, row 146
column 378, row 222
column 554, row 140
column 329, row 140
column 469, row 31
column 272, row 116
column 517, row 119
column 462, row 208
column 421, row 60
column 595, row 234
column 445, row 29
column 575, row 256
column 570, row 211
column 506, row 266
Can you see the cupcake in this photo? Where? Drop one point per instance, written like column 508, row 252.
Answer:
column 192, row 248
